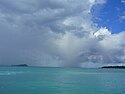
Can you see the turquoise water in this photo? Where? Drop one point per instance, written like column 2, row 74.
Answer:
column 61, row 81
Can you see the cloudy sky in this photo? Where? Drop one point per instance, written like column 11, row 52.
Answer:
column 62, row 33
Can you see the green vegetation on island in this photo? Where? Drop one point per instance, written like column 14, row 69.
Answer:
column 113, row 67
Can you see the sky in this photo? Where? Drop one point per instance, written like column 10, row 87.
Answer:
column 62, row 33
column 111, row 15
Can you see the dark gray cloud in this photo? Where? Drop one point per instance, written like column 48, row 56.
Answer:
column 56, row 33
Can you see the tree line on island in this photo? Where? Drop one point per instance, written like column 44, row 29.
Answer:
column 113, row 67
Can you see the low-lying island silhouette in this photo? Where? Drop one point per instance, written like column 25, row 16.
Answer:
column 122, row 67
column 20, row 65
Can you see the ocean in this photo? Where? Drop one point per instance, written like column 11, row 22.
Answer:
column 33, row 80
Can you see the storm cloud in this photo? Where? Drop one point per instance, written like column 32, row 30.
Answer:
column 56, row 33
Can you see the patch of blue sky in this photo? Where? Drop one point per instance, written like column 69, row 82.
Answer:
column 110, row 15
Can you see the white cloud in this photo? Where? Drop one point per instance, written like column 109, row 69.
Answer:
column 102, row 33
column 122, row 18
column 123, row 1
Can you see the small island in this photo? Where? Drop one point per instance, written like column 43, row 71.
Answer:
column 121, row 67
column 20, row 65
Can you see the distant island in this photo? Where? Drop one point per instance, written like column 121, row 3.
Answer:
column 20, row 65
column 122, row 67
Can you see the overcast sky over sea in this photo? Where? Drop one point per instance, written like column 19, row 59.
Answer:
column 62, row 33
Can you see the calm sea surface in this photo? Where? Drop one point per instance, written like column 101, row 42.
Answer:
column 61, row 81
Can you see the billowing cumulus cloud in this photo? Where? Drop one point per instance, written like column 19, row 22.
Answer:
column 56, row 33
